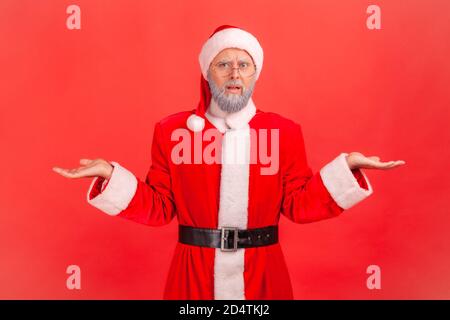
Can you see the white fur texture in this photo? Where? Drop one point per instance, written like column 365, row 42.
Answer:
column 195, row 123
column 222, row 120
column 118, row 193
column 342, row 184
column 233, row 212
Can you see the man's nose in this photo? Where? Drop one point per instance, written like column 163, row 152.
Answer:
column 235, row 73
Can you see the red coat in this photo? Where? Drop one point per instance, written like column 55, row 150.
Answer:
column 214, row 195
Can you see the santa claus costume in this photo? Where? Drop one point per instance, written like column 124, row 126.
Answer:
column 211, row 196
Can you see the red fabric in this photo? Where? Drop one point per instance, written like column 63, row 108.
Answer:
column 98, row 187
column 359, row 177
column 105, row 185
column 191, row 192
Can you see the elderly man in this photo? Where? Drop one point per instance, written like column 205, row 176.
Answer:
column 228, row 211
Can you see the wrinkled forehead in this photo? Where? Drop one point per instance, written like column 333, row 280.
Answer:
column 233, row 54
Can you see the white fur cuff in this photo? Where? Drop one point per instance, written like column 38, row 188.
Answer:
column 118, row 193
column 342, row 184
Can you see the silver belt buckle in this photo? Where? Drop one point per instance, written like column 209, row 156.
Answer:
column 223, row 238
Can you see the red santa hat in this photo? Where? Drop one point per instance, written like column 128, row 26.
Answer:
column 223, row 37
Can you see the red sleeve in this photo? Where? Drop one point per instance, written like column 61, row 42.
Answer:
column 99, row 185
column 153, row 202
column 305, row 199
column 312, row 197
column 97, row 188
column 359, row 177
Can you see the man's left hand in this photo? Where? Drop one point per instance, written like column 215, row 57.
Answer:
column 357, row 160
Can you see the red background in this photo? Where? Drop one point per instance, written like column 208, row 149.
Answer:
column 97, row 92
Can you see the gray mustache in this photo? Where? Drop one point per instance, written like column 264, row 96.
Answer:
column 233, row 83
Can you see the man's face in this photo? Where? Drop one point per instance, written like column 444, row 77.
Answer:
column 231, row 77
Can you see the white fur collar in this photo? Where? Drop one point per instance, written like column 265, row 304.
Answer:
column 223, row 120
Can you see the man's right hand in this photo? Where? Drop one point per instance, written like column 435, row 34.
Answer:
column 88, row 168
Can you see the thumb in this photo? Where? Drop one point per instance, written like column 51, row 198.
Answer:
column 85, row 161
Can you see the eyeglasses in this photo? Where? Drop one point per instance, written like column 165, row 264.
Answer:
column 225, row 69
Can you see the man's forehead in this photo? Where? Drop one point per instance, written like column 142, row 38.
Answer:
column 232, row 53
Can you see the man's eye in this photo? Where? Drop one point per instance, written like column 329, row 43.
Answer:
column 222, row 65
column 244, row 65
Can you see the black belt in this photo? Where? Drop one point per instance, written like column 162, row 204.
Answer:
column 228, row 238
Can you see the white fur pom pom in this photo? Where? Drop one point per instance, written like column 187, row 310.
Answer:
column 195, row 123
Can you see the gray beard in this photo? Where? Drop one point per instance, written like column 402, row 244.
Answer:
column 230, row 102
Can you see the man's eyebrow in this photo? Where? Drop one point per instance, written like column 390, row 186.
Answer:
column 224, row 60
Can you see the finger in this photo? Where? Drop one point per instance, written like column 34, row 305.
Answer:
column 397, row 164
column 57, row 169
column 60, row 170
column 391, row 164
column 376, row 164
column 68, row 173
column 371, row 162
column 64, row 172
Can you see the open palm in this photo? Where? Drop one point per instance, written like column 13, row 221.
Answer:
column 88, row 168
column 357, row 160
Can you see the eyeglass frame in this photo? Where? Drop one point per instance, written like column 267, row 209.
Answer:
column 232, row 69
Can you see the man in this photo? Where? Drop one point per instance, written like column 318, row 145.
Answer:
column 228, row 212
